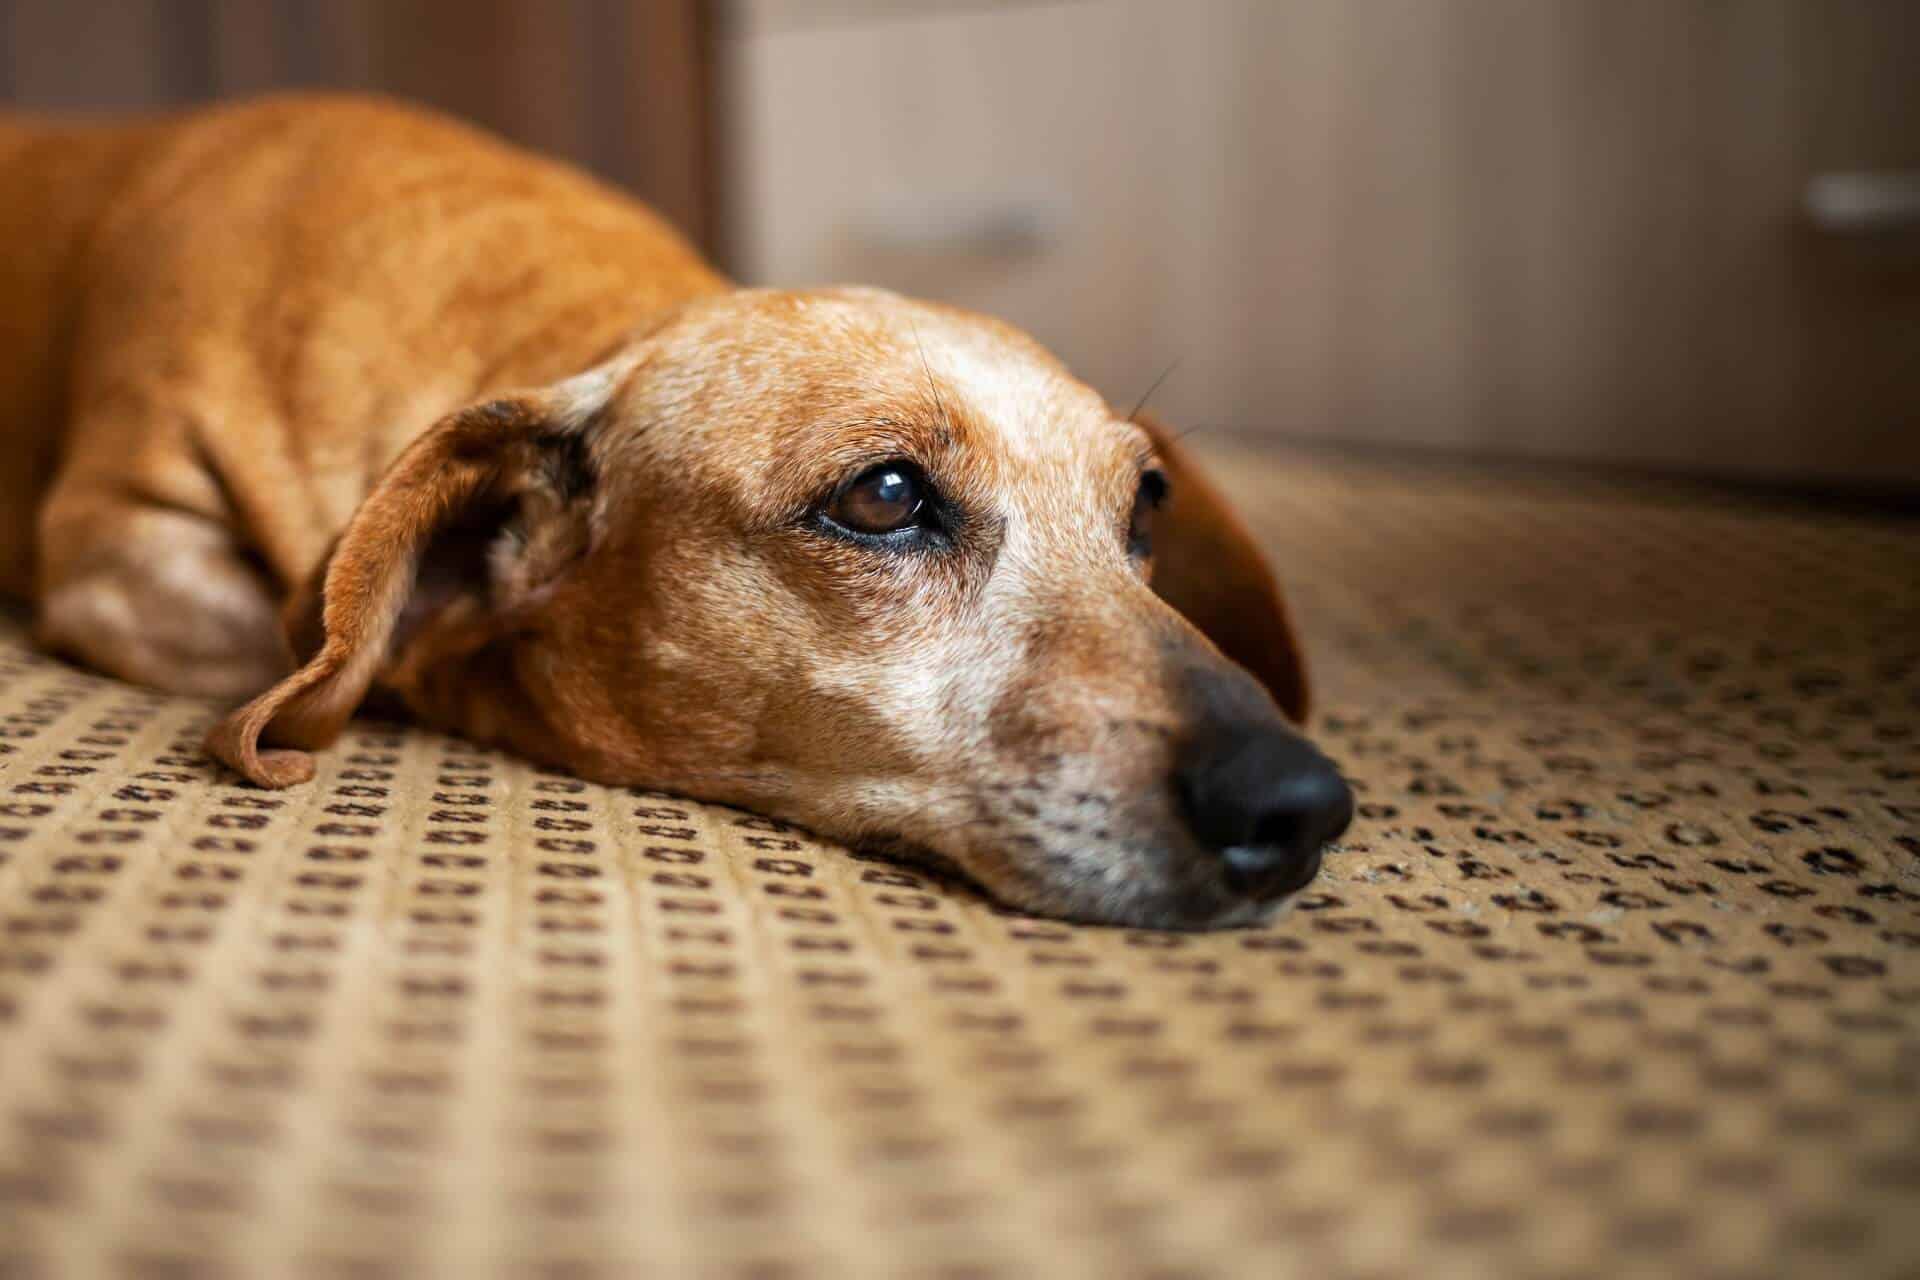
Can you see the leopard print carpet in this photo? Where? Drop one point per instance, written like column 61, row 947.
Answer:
column 1617, row 972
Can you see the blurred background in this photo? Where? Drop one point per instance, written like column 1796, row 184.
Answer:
column 1678, row 235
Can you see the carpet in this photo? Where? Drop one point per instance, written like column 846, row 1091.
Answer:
column 1617, row 971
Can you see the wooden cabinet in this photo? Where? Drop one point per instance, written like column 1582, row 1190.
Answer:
column 1567, row 229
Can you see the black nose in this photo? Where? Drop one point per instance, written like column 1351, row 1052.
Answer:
column 1264, row 800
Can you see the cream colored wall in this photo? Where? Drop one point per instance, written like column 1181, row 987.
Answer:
column 1560, row 228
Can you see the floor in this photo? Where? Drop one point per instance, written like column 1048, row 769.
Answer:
column 1617, row 972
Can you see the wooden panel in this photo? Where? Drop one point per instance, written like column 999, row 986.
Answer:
column 621, row 88
column 665, row 78
column 128, row 55
column 1561, row 228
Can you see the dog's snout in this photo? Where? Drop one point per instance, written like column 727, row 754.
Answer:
column 1265, row 801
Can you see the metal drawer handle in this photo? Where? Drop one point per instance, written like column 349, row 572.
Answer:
column 1851, row 203
column 1017, row 226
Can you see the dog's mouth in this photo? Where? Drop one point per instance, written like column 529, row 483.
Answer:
column 1134, row 887
column 897, row 848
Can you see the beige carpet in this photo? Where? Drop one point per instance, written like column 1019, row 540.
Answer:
column 1617, row 973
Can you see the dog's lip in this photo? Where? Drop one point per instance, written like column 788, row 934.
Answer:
column 1198, row 900
column 1191, row 908
column 1206, row 903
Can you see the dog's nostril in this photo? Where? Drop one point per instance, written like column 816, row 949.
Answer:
column 1266, row 802
column 1311, row 805
column 1268, row 871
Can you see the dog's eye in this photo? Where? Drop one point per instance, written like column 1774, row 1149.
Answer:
column 1152, row 492
column 885, row 499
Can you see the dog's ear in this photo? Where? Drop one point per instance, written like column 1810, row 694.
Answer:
column 1207, row 566
column 466, row 528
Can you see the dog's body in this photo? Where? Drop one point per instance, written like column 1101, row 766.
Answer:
column 230, row 325
column 490, row 438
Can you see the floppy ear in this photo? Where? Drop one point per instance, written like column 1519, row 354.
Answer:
column 1207, row 566
column 463, row 530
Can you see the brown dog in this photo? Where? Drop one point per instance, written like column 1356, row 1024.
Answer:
column 490, row 439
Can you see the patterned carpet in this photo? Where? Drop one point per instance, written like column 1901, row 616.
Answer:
column 1618, row 972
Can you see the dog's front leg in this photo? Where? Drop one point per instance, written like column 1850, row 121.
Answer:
column 157, row 596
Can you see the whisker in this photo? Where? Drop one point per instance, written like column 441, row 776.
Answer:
column 1141, row 403
column 933, row 388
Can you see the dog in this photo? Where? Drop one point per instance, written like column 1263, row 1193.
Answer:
column 321, row 401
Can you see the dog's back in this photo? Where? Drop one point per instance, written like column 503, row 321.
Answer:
column 196, row 306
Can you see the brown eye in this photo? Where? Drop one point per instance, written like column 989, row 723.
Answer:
column 1152, row 492
column 884, row 500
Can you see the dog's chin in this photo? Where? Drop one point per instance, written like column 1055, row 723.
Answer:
column 1147, row 907
column 1145, row 901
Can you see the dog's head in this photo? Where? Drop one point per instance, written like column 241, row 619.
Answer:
column 879, row 567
